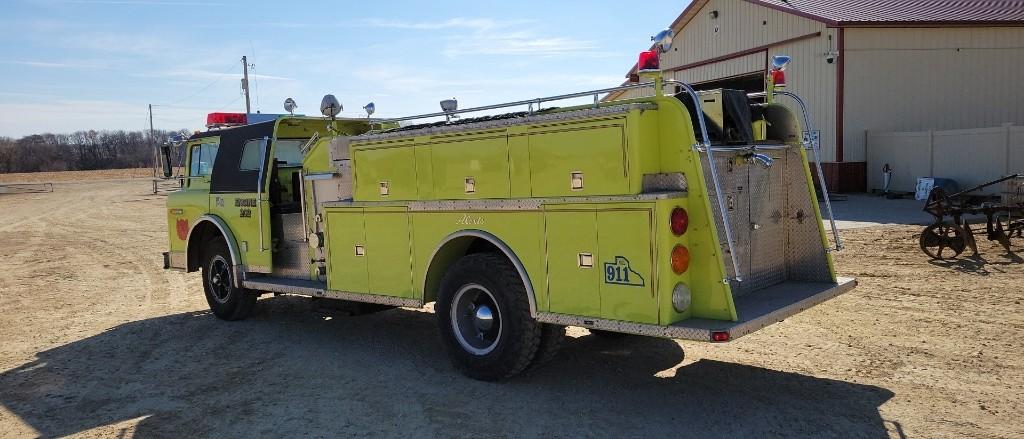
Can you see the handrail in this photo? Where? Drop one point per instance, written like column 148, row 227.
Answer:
column 530, row 102
column 817, row 164
column 705, row 146
column 259, row 189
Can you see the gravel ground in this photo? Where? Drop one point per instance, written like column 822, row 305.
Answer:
column 97, row 340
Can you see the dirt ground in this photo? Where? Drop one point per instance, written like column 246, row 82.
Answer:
column 97, row 340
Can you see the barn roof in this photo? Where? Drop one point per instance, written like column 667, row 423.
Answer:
column 890, row 12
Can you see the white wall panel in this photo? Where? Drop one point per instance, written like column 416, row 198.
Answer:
column 915, row 79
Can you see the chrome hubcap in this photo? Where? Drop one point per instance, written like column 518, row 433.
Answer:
column 476, row 319
column 220, row 279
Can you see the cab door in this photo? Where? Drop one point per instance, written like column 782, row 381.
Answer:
column 238, row 194
column 193, row 200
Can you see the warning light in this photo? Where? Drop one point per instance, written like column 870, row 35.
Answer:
column 779, row 78
column 719, row 336
column 225, row 119
column 649, row 61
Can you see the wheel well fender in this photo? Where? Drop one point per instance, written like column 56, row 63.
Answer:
column 205, row 228
column 464, row 242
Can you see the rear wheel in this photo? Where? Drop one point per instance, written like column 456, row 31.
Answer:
column 552, row 337
column 484, row 317
column 227, row 301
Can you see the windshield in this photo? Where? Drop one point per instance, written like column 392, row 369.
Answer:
column 289, row 151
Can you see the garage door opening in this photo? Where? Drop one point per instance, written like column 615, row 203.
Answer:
column 750, row 83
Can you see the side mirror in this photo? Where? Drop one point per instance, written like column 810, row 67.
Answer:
column 165, row 154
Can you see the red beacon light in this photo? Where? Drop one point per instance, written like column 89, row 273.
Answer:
column 778, row 72
column 649, row 61
column 220, row 120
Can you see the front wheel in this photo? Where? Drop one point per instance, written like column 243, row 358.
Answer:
column 484, row 316
column 226, row 300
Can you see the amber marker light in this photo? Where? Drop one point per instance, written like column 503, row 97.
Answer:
column 680, row 259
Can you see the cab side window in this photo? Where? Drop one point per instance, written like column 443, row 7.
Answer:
column 202, row 158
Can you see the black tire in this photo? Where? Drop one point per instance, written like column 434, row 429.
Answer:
column 226, row 301
column 491, row 335
column 552, row 337
column 608, row 334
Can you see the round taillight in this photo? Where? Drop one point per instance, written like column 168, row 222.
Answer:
column 680, row 221
column 680, row 259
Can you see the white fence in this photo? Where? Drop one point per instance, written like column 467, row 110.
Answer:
column 970, row 157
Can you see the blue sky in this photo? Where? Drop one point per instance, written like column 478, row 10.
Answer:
column 67, row 65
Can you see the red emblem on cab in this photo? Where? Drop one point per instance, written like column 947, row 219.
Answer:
column 182, row 227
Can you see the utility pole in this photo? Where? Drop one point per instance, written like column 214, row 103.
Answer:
column 245, row 83
column 152, row 142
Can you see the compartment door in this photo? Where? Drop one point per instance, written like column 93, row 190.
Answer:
column 387, row 253
column 766, row 225
column 346, row 251
column 572, row 263
column 627, row 282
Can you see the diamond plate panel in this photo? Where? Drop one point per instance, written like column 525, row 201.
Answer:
column 805, row 251
column 668, row 182
column 768, row 237
column 776, row 235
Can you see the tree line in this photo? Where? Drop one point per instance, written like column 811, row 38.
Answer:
column 79, row 151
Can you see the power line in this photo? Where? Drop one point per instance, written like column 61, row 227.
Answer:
column 206, row 87
column 225, row 106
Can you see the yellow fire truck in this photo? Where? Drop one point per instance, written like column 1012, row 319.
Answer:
column 689, row 215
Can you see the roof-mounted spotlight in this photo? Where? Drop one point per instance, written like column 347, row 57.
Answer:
column 450, row 106
column 663, row 40
column 779, row 62
column 290, row 105
column 330, row 106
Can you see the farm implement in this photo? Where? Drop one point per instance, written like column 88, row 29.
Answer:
column 951, row 233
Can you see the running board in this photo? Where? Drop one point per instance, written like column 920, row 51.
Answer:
column 304, row 287
column 755, row 310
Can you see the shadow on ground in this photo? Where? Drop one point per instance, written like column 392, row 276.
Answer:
column 290, row 371
column 979, row 264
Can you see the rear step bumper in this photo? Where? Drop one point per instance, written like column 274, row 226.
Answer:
column 755, row 310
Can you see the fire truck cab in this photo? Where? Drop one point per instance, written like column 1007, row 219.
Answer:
column 688, row 215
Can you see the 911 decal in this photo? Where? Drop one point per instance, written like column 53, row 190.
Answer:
column 620, row 273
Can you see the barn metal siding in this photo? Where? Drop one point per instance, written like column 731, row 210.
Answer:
column 918, row 79
column 741, row 26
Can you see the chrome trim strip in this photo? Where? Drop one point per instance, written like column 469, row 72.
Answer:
column 646, row 329
column 273, row 287
column 700, row 332
column 506, row 204
column 530, row 296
